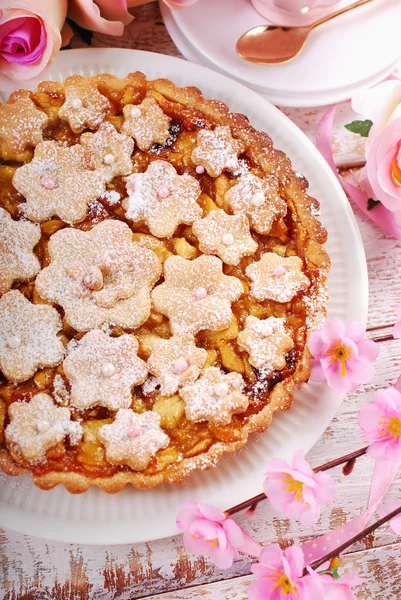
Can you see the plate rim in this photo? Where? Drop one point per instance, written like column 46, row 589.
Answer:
column 63, row 530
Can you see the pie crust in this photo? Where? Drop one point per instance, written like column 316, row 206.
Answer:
column 128, row 265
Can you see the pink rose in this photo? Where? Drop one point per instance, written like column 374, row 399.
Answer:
column 381, row 178
column 179, row 3
column 104, row 16
column 29, row 39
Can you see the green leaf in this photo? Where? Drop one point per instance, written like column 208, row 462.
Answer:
column 372, row 203
column 361, row 127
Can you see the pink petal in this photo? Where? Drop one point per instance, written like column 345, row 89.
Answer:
column 368, row 419
column 250, row 546
column 397, row 330
column 277, row 465
column 325, row 489
column 295, row 558
column 222, row 558
column 86, row 13
column 398, row 310
column 360, row 370
column 316, row 371
column 188, row 513
column 368, row 349
column 271, row 556
column 336, row 381
column 222, row 539
column 332, row 328
column 397, row 385
column 355, row 330
column 194, row 545
column 299, row 463
column 259, row 590
column 204, row 529
column 115, row 11
column 212, row 513
column 233, row 532
column 385, row 451
column 316, row 345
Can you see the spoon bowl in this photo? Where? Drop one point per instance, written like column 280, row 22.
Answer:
column 270, row 44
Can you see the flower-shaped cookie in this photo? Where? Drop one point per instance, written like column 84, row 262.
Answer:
column 266, row 342
column 162, row 198
column 133, row 438
column 225, row 235
column 103, row 370
column 146, row 123
column 108, row 151
column 57, row 183
column 99, row 276
column 22, row 123
column 259, row 199
column 196, row 294
column 17, row 260
column 84, row 106
column 217, row 150
column 214, row 397
column 28, row 336
column 176, row 362
column 39, row 425
column 276, row 278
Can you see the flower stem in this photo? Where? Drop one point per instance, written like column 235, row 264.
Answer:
column 352, row 456
column 337, row 551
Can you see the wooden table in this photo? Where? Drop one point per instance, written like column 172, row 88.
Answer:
column 33, row 569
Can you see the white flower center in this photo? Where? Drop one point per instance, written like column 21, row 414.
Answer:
column 108, row 369
column 221, row 389
column 76, row 103
column 258, row 199
column 14, row 341
column 42, row 426
column 181, row 365
column 136, row 112
column 227, row 239
column 108, row 159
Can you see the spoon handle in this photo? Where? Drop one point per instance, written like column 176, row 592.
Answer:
column 338, row 12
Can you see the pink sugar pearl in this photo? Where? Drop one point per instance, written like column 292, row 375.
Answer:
column 163, row 192
column 48, row 183
column 134, row 432
column 200, row 293
column 278, row 271
column 200, row 170
column 181, row 365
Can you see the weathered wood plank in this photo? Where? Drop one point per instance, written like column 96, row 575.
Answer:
column 379, row 583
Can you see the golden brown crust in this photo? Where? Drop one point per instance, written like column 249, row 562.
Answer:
column 310, row 235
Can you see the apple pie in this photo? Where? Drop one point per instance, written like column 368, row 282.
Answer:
column 161, row 268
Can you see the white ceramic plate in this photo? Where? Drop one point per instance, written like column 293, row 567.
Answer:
column 355, row 50
column 135, row 516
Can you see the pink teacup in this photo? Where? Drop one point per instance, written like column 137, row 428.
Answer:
column 294, row 12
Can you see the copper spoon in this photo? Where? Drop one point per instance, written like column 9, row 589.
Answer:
column 272, row 44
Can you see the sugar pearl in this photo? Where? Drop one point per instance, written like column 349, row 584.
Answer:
column 108, row 159
column 163, row 192
column 258, row 199
column 136, row 112
column 227, row 239
column 221, row 389
column 181, row 365
column 200, row 169
column 200, row 293
column 133, row 431
column 76, row 103
column 108, row 369
column 42, row 426
column 48, row 183
column 278, row 271
column 14, row 341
